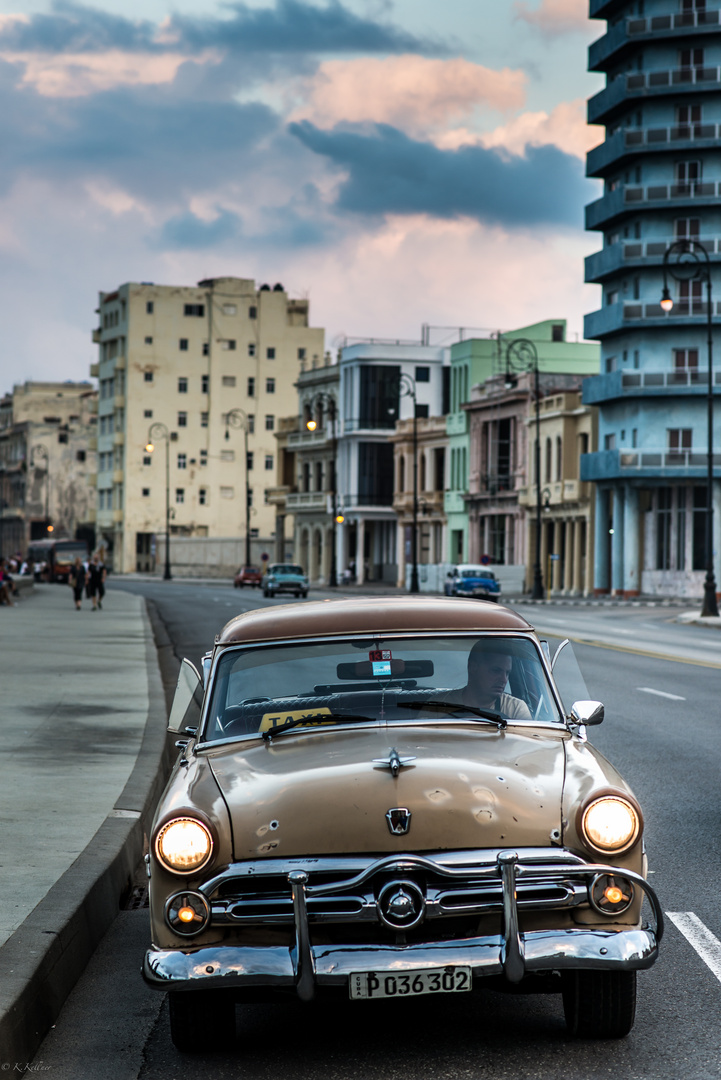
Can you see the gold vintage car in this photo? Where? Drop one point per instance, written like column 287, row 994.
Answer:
column 389, row 797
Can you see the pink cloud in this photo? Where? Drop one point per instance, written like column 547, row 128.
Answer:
column 411, row 92
column 555, row 16
column 564, row 127
column 81, row 74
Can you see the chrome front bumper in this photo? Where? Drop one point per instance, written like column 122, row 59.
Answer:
column 509, row 952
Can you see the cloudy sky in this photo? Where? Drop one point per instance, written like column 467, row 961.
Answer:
column 398, row 161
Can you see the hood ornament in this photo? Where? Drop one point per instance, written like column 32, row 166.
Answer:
column 399, row 820
column 394, row 761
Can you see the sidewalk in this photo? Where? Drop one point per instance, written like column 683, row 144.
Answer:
column 81, row 697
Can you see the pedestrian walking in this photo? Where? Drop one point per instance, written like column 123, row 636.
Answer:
column 76, row 580
column 95, row 588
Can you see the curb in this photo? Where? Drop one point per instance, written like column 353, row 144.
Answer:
column 43, row 959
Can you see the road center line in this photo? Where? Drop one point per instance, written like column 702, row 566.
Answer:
column 706, row 944
column 660, row 693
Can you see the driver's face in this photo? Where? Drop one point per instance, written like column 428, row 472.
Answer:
column 488, row 674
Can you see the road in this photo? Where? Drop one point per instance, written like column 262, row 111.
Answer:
column 662, row 730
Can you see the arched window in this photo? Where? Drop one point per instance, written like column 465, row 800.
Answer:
column 559, row 458
column 548, row 466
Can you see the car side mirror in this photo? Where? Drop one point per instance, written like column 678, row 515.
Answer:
column 587, row 712
column 188, row 700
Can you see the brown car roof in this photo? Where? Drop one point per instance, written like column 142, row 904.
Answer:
column 369, row 615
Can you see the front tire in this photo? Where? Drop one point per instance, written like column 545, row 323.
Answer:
column 599, row 1004
column 201, row 1020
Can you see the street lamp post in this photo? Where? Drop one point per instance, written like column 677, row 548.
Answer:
column 326, row 400
column 407, row 388
column 238, row 418
column 42, row 451
column 522, row 354
column 688, row 260
column 160, row 431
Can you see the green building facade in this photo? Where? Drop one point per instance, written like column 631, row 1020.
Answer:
column 472, row 362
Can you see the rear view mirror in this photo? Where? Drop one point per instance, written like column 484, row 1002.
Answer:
column 188, row 700
column 367, row 669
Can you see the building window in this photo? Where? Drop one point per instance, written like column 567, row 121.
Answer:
column 204, row 419
column 202, row 496
column 269, row 461
column 206, row 349
column 146, row 492
column 62, row 436
column 149, row 307
column 249, row 460
column 183, row 344
column 228, row 380
column 182, row 386
column 228, row 344
column 251, row 348
column 182, row 461
column 252, row 312
column 270, row 386
column 251, row 386
column 685, row 360
column 251, row 423
column 422, row 412
column 557, row 332
column 197, row 310
column 679, row 440
column 204, row 384
column 230, row 309
column 148, row 414
column 182, row 419
column 148, row 341
column 227, row 492
column 148, row 376
column 301, row 354
column 609, row 441
column 180, row 495
column 610, row 364
column 559, row 458
column 147, row 459
column 423, row 374
column 203, row 457
column 270, row 353
column 80, row 455
column 270, row 423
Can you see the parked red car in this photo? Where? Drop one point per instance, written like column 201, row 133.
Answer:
column 248, row 575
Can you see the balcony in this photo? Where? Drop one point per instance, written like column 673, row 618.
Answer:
column 457, row 423
column 623, row 384
column 632, row 141
column 94, row 371
column 307, row 500
column 642, row 84
column 631, row 463
column 308, row 440
column 278, row 495
column 614, row 205
column 629, row 32
column 96, row 335
column 631, row 254
column 617, row 317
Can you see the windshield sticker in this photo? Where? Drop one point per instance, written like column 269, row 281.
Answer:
column 381, row 668
column 380, row 654
column 271, row 721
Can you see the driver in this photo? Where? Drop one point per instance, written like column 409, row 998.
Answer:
column 489, row 667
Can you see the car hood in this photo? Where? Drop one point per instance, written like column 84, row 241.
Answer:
column 321, row 793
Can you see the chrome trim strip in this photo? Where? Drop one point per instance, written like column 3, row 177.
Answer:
column 303, row 962
column 246, row 967
column 512, row 951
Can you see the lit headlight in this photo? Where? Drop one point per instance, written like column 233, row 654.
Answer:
column 184, row 845
column 611, row 823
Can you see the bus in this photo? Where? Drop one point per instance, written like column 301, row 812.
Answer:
column 58, row 556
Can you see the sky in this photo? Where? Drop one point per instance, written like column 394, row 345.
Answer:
column 398, row 162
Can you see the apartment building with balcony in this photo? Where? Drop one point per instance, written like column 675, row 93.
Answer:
column 47, row 463
column 374, row 379
column 660, row 164
column 473, row 362
column 214, row 367
column 425, row 452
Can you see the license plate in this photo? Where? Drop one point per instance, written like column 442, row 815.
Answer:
column 385, row 984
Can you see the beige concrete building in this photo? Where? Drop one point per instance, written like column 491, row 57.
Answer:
column 47, row 463
column 568, row 429
column 432, row 442
column 211, row 369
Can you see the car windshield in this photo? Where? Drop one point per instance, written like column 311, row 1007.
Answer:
column 478, row 572
column 390, row 680
column 286, row 568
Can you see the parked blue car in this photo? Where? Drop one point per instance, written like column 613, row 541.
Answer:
column 473, row 581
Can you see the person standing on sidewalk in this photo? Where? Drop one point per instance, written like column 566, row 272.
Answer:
column 95, row 587
column 76, row 580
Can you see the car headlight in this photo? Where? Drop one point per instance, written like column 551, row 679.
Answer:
column 184, row 845
column 611, row 823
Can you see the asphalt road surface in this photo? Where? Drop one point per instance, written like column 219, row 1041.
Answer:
column 662, row 729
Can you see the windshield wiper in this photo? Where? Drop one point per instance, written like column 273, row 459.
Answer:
column 451, row 706
column 301, row 721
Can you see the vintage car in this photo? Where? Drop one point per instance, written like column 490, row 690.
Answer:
column 474, row 581
column 387, row 798
column 285, row 577
column 248, row 575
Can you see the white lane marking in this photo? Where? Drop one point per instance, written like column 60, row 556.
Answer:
column 706, row 944
column 660, row 693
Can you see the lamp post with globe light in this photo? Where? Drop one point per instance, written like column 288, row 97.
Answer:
column 160, row 431
column 687, row 261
